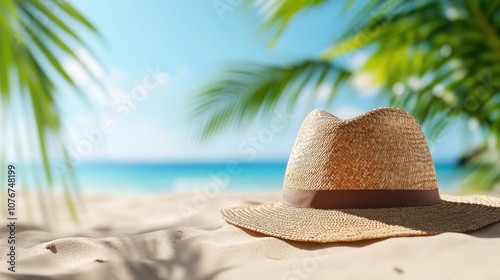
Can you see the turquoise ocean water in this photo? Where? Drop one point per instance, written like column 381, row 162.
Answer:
column 236, row 177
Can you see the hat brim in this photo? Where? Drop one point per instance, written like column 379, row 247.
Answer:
column 452, row 214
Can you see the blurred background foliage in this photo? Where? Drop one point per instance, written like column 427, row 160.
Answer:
column 438, row 59
column 34, row 37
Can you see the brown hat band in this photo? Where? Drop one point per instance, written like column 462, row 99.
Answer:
column 345, row 199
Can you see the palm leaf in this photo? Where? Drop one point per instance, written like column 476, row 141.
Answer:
column 31, row 45
column 279, row 13
column 256, row 90
column 437, row 50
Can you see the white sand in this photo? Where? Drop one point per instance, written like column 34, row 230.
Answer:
column 148, row 238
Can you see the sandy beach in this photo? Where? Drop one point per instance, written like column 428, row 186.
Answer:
column 181, row 236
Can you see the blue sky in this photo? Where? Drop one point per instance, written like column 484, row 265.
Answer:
column 174, row 48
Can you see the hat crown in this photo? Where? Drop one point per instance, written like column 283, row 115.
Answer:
column 383, row 149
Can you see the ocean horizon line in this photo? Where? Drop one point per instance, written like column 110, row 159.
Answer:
column 449, row 164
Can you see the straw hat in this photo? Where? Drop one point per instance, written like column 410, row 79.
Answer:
column 370, row 176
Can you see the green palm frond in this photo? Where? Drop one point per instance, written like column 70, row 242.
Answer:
column 451, row 49
column 437, row 59
column 33, row 39
column 279, row 13
column 255, row 89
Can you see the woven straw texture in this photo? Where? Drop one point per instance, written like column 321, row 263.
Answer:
column 452, row 214
column 382, row 149
column 370, row 151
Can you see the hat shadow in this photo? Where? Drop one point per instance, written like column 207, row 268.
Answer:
column 489, row 231
column 312, row 245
